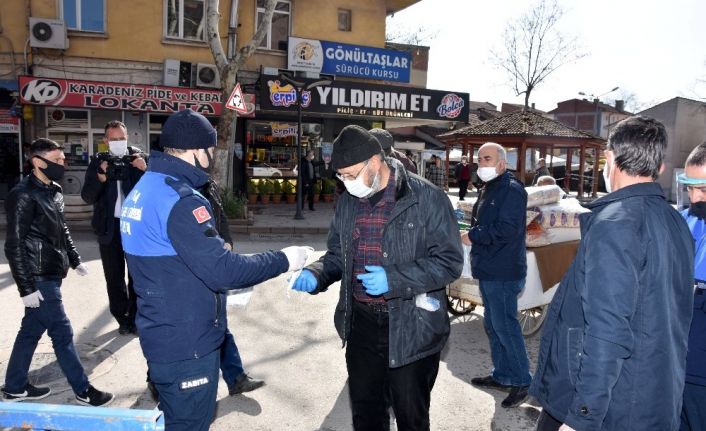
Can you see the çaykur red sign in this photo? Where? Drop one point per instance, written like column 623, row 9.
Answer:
column 112, row 95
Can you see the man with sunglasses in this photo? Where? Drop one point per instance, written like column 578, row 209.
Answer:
column 693, row 414
column 393, row 244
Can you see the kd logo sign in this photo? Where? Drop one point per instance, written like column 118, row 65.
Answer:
column 41, row 91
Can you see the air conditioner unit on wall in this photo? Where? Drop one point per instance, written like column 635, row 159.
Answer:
column 47, row 33
column 207, row 76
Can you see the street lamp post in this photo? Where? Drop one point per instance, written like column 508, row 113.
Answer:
column 299, row 87
column 596, row 99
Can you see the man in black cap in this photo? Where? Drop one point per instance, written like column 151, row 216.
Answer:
column 394, row 256
column 386, row 140
column 181, row 271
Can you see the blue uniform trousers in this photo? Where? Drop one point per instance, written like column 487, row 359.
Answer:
column 187, row 391
column 693, row 416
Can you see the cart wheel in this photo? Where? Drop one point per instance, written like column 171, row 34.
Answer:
column 460, row 307
column 531, row 319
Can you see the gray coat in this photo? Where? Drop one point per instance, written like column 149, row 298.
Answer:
column 421, row 253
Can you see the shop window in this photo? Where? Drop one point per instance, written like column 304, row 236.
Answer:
column 186, row 19
column 344, row 20
column 84, row 15
column 278, row 33
column 274, row 144
column 70, row 127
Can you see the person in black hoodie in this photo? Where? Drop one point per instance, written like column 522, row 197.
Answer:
column 40, row 251
column 237, row 380
column 107, row 195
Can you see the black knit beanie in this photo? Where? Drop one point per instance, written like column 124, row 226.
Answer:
column 353, row 145
column 187, row 130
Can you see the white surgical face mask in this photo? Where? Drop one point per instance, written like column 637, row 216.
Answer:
column 487, row 173
column 358, row 188
column 118, row 148
column 606, row 176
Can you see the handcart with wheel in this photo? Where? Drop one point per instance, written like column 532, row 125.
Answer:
column 545, row 267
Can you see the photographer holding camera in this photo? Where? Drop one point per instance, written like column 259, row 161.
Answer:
column 109, row 178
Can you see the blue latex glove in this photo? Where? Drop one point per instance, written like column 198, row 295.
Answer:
column 374, row 281
column 306, row 282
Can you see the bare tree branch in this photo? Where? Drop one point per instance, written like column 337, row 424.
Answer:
column 534, row 48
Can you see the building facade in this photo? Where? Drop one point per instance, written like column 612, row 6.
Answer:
column 73, row 65
column 685, row 121
column 590, row 116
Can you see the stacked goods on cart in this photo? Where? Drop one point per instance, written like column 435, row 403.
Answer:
column 466, row 207
column 551, row 219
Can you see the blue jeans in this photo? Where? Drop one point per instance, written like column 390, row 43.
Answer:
column 50, row 317
column 231, row 364
column 187, row 391
column 693, row 413
column 507, row 346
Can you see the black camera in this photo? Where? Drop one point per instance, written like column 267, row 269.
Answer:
column 118, row 166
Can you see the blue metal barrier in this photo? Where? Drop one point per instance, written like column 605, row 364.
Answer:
column 45, row 417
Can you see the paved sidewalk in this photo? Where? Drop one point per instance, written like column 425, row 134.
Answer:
column 268, row 220
column 276, row 219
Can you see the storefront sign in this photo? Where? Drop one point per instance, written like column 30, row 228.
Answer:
column 111, row 95
column 321, row 56
column 285, row 95
column 8, row 123
column 282, row 130
column 348, row 98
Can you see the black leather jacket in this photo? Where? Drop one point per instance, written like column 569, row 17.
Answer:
column 38, row 245
column 103, row 196
column 421, row 254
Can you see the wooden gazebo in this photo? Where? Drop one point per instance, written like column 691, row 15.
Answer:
column 526, row 130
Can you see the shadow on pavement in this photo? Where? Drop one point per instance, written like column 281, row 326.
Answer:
column 339, row 418
column 237, row 403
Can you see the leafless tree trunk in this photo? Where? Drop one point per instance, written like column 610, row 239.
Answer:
column 534, row 48
column 228, row 70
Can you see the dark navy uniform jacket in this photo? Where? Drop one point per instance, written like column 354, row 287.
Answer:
column 696, row 356
column 179, row 266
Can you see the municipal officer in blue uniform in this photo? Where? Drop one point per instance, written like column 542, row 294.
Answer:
column 181, row 271
column 693, row 415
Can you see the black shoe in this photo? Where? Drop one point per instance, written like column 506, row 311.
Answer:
column 312, row 209
column 29, row 393
column 244, row 383
column 518, row 394
column 94, row 397
column 153, row 391
column 489, row 382
column 124, row 329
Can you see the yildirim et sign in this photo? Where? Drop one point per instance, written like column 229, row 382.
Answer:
column 347, row 98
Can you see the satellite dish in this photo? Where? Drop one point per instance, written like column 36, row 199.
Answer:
column 42, row 31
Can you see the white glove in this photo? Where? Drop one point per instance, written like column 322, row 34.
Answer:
column 296, row 256
column 82, row 270
column 32, row 300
